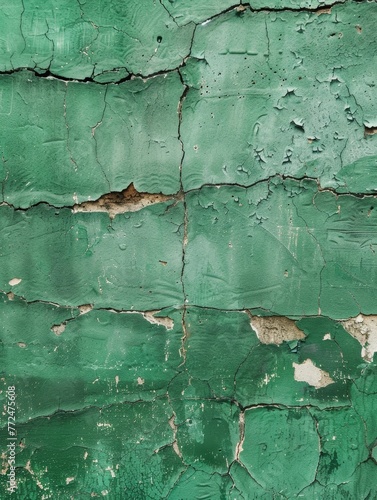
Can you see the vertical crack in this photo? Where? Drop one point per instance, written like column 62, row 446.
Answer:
column 239, row 446
column 51, row 40
column 185, row 218
column 268, row 44
column 21, row 21
column 320, row 440
column 183, row 195
column 174, row 429
column 321, row 252
column 67, row 127
column 4, row 181
column 98, row 124
column 168, row 12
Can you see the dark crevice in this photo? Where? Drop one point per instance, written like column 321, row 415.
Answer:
column 184, row 307
column 122, row 197
column 370, row 130
column 42, row 73
column 241, row 8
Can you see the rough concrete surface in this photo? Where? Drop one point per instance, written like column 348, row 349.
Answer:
column 188, row 267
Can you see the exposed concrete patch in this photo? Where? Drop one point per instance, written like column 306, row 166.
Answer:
column 58, row 329
column 128, row 200
column 165, row 321
column 308, row 372
column 364, row 329
column 275, row 329
column 175, row 442
column 239, row 446
column 85, row 308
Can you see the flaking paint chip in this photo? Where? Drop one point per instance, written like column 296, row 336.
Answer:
column 364, row 329
column 275, row 329
column 15, row 281
column 311, row 374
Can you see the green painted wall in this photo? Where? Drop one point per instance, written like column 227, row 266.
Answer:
column 188, row 267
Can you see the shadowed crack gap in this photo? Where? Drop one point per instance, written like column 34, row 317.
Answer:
column 180, row 195
column 182, row 350
column 370, row 130
column 119, row 202
column 241, row 8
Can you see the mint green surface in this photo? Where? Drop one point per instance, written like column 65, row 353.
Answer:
column 188, row 250
column 82, row 39
column 68, row 142
column 270, row 462
column 307, row 256
column 285, row 92
column 85, row 258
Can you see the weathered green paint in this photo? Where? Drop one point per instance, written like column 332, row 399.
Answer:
column 187, row 262
column 319, row 259
column 94, row 139
column 291, row 98
column 85, row 258
column 84, row 39
column 270, row 462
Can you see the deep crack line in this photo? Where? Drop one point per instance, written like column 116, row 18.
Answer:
column 185, row 219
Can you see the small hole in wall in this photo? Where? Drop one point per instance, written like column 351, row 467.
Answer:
column 159, row 39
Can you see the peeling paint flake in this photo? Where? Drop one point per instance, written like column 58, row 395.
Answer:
column 311, row 374
column 275, row 329
column 364, row 329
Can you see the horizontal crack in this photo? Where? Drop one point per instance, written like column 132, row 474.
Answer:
column 241, row 8
column 91, row 79
column 131, row 200
column 128, row 200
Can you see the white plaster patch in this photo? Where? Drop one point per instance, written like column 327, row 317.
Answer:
column 85, row 308
column 165, row 321
column 58, row 329
column 311, row 374
column 111, row 471
column 15, row 281
column 175, row 443
column 364, row 329
column 239, row 445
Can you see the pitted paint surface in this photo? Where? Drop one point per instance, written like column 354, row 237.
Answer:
column 188, row 256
